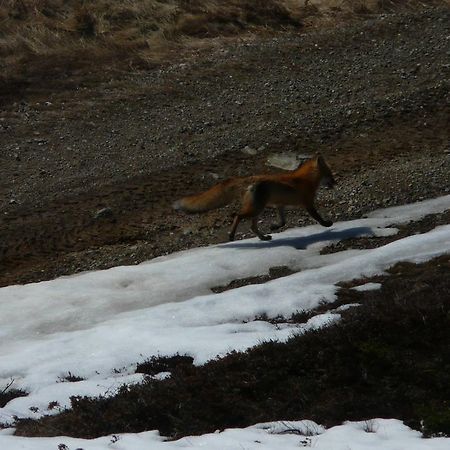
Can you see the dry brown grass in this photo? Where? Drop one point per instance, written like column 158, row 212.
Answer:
column 40, row 36
column 54, row 38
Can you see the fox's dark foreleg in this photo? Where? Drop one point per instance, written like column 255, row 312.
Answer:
column 282, row 219
column 315, row 215
column 254, row 228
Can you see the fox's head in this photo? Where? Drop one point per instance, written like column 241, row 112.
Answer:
column 326, row 177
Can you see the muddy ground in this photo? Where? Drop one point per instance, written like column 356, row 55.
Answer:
column 88, row 172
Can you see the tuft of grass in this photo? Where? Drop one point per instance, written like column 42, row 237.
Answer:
column 70, row 378
column 386, row 358
column 158, row 364
column 7, row 394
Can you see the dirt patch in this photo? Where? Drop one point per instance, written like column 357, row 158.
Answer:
column 274, row 272
column 386, row 358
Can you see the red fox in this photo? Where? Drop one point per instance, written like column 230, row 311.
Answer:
column 296, row 188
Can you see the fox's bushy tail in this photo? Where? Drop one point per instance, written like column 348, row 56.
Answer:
column 218, row 196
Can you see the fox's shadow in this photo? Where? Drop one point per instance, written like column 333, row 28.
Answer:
column 303, row 242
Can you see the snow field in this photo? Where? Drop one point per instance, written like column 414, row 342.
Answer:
column 375, row 434
column 92, row 323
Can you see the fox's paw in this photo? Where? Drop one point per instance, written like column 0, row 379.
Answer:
column 327, row 223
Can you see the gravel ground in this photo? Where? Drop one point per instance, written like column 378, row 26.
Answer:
column 88, row 175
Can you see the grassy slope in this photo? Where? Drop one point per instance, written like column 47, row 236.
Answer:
column 386, row 358
column 53, row 39
column 40, row 36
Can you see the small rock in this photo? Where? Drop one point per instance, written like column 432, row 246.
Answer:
column 249, row 150
column 104, row 213
column 286, row 161
column 187, row 231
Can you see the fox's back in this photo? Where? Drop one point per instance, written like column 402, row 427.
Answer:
column 283, row 189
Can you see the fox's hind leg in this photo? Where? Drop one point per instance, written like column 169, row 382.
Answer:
column 254, row 201
column 254, row 227
column 315, row 215
column 282, row 217
column 236, row 221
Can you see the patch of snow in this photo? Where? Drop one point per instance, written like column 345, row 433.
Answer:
column 346, row 307
column 92, row 323
column 61, row 393
column 367, row 287
column 386, row 435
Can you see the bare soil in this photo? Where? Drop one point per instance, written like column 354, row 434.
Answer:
column 88, row 173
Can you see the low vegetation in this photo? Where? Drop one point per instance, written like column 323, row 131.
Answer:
column 8, row 393
column 386, row 358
